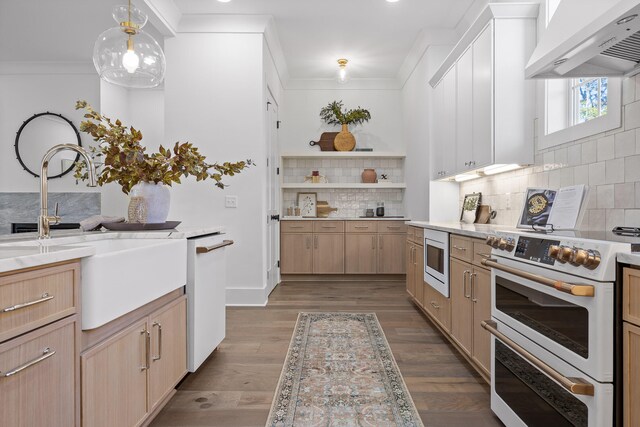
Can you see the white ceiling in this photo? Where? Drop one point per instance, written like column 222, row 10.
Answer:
column 374, row 35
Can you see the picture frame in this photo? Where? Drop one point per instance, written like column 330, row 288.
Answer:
column 308, row 204
column 536, row 207
column 470, row 207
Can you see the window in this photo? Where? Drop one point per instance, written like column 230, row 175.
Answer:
column 589, row 98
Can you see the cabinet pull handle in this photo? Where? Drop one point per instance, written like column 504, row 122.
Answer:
column 308, row 242
column 459, row 248
column 205, row 249
column 315, row 242
column 380, row 242
column 573, row 385
column 147, row 349
column 464, row 283
column 434, row 305
column 393, row 227
column 329, row 226
column 473, row 283
column 361, row 227
column 483, row 255
column 46, row 353
column 296, row 226
column 373, row 242
column 159, row 356
column 45, row 297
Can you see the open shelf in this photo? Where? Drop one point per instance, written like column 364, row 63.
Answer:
column 343, row 155
column 381, row 185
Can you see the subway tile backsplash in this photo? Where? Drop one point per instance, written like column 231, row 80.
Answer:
column 352, row 203
column 609, row 163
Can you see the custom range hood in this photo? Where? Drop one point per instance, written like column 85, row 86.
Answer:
column 589, row 38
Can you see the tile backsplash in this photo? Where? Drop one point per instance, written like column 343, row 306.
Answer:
column 609, row 163
column 341, row 170
column 352, row 203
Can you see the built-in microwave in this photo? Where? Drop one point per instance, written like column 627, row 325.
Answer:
column 436, row 260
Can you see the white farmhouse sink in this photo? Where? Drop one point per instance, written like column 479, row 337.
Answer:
column 125, row 274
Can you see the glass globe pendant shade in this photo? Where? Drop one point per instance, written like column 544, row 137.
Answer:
column 126, row 55
column 342, row 76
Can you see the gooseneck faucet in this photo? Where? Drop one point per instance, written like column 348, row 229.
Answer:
column 45, row 220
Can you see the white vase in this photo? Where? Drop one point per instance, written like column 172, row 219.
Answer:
column 157, row 198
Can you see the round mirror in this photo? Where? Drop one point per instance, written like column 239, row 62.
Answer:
column 41, row 132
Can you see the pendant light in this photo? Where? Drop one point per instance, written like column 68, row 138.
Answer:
column 342, row 75
column 127, row 56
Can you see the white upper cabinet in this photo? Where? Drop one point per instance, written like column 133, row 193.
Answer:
column 483, row 111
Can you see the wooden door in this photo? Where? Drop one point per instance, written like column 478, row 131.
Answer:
column 461, row 305
column 168, row 327
column 114, row 379
column 464, row 106
column 296, row 253
column 391, row 253
column 328, row 253
column 481, row 298
column 418, row 261
column 361, row 253
column 410, row 267
column 631, row 375
column 43, row 394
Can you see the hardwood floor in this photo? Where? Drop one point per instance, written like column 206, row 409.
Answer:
column 235, row 386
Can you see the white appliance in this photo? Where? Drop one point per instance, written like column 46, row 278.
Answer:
column 436, row 260
column 206, row 303
column 553, row 325
column 589, row 38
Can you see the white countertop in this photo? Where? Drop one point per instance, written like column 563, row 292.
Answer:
column 335, row 218
column 629, row 258
column 471, row 230
column 19, row 251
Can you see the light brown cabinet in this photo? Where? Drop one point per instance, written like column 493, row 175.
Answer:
column 461, row 305
column 125, row 377
column 343, row 247
column 410, row 268
column 631, row 346
column 438, row 306
column 414, row 254
column 481, row 299
column 41, row 390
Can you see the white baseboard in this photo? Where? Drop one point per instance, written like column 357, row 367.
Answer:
column 246, row 297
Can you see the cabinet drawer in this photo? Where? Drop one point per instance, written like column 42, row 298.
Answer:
column 631, row 295
column 461, row 248
column 328, row 226
column 42, row 391
column 391, row 227
column 361, row 226
column 35, row 298
column 438, row 306
column 480, row 251
column 296, row 226
column 415, row 235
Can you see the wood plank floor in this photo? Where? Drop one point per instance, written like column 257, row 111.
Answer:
column 235, row 386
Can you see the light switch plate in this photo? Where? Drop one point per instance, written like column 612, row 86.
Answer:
column 231, row 201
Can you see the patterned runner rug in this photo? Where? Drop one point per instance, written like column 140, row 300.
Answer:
column 339, row 371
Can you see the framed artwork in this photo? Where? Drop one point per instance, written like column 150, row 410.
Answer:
column 308, row 204
column 470, row 207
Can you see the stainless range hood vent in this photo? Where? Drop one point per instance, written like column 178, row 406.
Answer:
column 628, row 49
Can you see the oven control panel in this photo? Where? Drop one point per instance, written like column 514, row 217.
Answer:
column 535, row 249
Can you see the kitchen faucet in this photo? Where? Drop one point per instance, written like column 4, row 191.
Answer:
column 45, row 220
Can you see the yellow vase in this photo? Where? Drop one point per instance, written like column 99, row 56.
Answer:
column 345, row 141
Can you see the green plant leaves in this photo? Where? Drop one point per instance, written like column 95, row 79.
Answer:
column 333, row 114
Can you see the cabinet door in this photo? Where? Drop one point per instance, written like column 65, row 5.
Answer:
column 437, row 133
column 461, row 305
column 464, row 108
column 296, row 253
column 391, row 253
column 44, row 392
column 168, row 327
column 418, row 262
column 328, row 253
column 482, row 122
column 631, row 375
column 411, row 277
column 481, row 298
column 114, row 379
column 361, row 253
column 449, row 123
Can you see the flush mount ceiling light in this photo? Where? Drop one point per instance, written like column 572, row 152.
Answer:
column 127, row 56
column 342, row 76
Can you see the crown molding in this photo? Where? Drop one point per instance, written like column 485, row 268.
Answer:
column 353, row 84
column 41, row 67
column 163, row 14
column 427, row 38
column 215, row 23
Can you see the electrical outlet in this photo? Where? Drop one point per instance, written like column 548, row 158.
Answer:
column 231, row 201
column 507, row 201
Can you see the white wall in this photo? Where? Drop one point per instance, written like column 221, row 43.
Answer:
column 22, row 96
column 214, row 97
column 301, row 118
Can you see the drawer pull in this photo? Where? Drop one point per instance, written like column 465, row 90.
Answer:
column 296, row 226
column 483, row 255
column 159, row 356
column 329, row 226
column 206, row 249
column 434, row 305
column 362, row 226
column 393, row 227
column 147, row 349
column 45, row 297
column 46, row 353
column 459, row 248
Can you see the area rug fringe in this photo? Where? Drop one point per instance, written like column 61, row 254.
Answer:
column 397, row 404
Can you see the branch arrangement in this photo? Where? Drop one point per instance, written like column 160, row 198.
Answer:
column 333, row 114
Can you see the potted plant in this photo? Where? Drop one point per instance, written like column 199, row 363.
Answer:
column 333, row 114
column 142, row 174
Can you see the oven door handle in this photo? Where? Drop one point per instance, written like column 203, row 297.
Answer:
column 573, row 385
column 576, row 290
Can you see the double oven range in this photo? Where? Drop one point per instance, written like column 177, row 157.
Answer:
column 553, row 315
